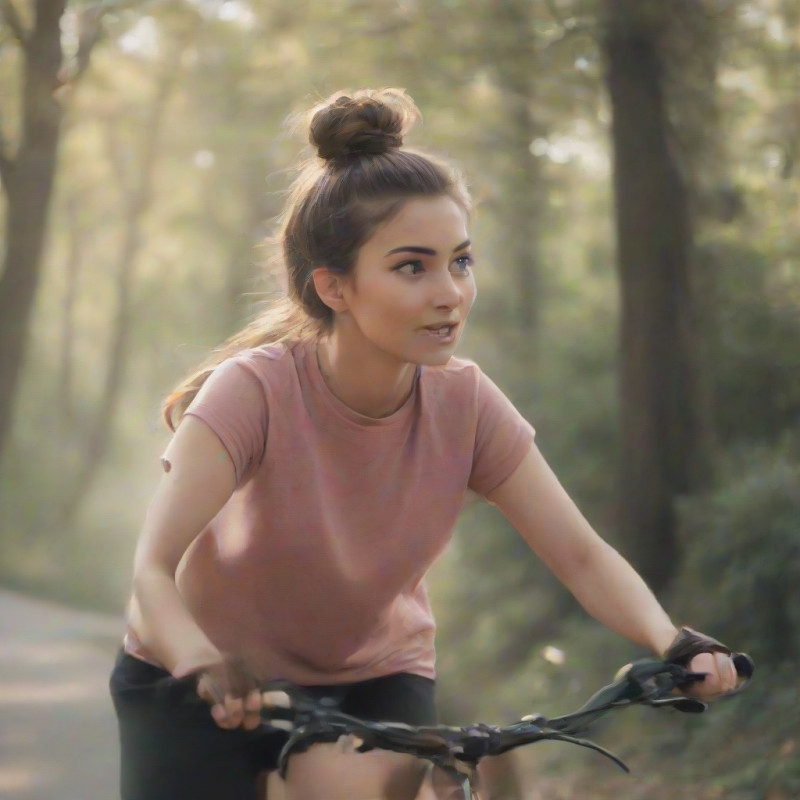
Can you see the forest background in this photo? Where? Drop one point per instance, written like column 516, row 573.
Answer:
column 635, row 166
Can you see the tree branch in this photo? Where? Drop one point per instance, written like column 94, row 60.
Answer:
column 6, row 165
column 556, row 14
column 6, row 161
column 12, row 19
column 90, row 30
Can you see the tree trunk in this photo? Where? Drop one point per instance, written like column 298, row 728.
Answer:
column 72, row 269
column 28, row 180
column 522, row 205
column 658, row 380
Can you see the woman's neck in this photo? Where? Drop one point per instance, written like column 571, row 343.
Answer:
column 365, row 379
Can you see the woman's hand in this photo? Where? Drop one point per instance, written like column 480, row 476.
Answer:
column 720, row 673
column 700, row 653
column 232, row 691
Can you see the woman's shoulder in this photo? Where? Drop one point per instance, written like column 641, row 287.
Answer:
column 464, row 377
column 265, row 353
column 268, row 366
column 457, row 372
column 456, row 384
column 267, row 360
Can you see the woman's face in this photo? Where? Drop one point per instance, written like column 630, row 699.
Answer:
column 412, row 285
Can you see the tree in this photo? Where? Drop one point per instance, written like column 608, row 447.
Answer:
column 661, row 419
column 27, row 173
column 523, row 197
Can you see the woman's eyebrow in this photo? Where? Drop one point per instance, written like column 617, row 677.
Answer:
column 425, row 251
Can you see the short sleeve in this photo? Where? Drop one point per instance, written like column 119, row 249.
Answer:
column 502, row 438
column 233, row 404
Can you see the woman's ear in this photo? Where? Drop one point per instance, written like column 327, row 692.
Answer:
column 328, row 286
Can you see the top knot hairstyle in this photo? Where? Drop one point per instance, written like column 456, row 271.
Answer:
column 358, row 180
column 368, row 123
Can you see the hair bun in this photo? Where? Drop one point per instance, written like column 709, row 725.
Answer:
column 368, row 122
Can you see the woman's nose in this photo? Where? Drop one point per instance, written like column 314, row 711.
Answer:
column 447, row 292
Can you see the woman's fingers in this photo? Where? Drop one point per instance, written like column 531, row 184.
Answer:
column 226, row 710
column 277, row 700
column 235, row 708
column 230, row 688
column 220, row 715
column 723, row 673
column 229, row 713
column 210, row 690
column 252, row 710
column 720, row 673
column 727, row 672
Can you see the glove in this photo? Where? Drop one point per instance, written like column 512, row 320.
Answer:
column 689, row 643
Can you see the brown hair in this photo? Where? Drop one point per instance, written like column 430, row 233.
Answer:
column 360, row 177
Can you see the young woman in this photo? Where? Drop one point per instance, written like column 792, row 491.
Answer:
column 317, row 469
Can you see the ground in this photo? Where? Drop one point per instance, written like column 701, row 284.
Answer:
column 57, row 727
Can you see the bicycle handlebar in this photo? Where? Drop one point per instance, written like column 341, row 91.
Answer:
column 648, row 682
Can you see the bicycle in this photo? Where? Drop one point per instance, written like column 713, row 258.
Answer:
column 457, row 751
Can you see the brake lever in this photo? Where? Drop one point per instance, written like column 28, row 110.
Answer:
column 688, row 705
column 745, row 667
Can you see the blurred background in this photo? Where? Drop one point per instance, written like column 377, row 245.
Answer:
column 635, row 170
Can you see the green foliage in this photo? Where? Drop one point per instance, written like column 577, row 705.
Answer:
column 742, row 543
column 751, row 347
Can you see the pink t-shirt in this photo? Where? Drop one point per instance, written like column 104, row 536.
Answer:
column 314, row 569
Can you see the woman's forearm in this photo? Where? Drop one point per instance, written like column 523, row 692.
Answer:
column 603, row 582
column 609, row 589
column 165, row 626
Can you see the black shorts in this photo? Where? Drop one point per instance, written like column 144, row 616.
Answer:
column 171, row 748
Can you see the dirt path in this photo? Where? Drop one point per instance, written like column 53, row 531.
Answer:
column 57, row 728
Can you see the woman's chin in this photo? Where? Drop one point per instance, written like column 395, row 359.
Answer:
column 435, row 359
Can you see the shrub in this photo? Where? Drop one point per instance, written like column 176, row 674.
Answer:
column 741, row 575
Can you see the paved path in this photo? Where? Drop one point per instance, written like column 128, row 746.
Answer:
column 57, row 727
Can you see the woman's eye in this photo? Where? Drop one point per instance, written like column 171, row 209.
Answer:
column 463, row 263
column 409, row 267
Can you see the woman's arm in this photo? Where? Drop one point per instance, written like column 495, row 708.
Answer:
column 603, row 582
column 198, row 480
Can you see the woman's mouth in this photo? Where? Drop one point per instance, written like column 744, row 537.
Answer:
column 444, row 333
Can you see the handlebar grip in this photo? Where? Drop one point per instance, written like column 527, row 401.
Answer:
column 745, row 667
